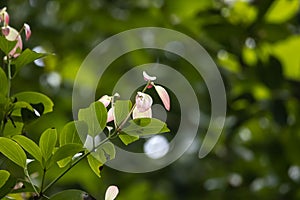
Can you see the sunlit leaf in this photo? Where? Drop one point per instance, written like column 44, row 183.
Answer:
column 95, row 117
column 121, row 110
column 26, row 57
column 95, row 165
column 13, row 151
column 8, row 186
column 35, row 98
column 145, row 126
column 13, row 128
column 47, row 143
column 64, row 162
column 69, row 133
column 105, row 152
column 282, row 10
column 127, row 139
column 287, row 52
column 4, row 177
column 23, row 104
column 29, row 146
column 67, row 150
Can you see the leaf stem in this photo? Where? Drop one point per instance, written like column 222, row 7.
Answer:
column 43, row 180
column 9, row 76
column 28, row 176
column 73, row 164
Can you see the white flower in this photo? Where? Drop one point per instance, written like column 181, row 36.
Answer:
column 147, row 77
column 143, row 101
column 111, row 192
column 105, row 99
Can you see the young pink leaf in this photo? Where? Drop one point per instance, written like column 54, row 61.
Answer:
column 14, row 35
column 27, row 31
column 5, row 31
column 105, row 100
column 143, row 101
column 110, row 115
column 111, row 192
column 136, row 114
column 4, row 16
column 164, row 96
column 147, row 77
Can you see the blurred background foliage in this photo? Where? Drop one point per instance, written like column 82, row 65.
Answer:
column 256, row 45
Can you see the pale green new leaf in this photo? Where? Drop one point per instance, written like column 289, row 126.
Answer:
column 94, row 164
column 127, row 139
column 35, row 98
column 62, row 163
column 47, row 143
column 121, row 110
column 13, row 129
column 13, row 151
column 95, row 117
column 145, row 126
column 69, row 133
column 65, row 151
column 105, row 152
column 4, row 177
column 7, row 187
column 29, row 146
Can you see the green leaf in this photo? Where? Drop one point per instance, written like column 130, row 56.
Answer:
column 35, row 98
column 121, row 110
column 8, row 186
column 26, row 57
column 281, row 11
column 62, row 163
column 4, row 177
column 71, row 194
column 287, row 52
column 69, row 133
column 13, row 151
column 145, row 126
column 95, row 117
column 6, row 46
column 65, row 151
column 127, row 139
column 22, row 104
column 13, row 128
column 3, row 82
column 47, row 143
column 29, row 146
column 105, row 152
column 95, row 165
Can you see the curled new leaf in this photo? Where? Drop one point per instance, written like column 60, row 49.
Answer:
column 164, row 96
